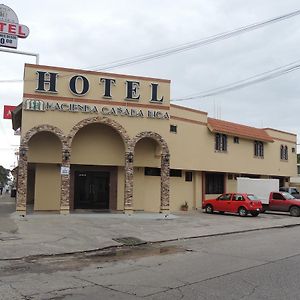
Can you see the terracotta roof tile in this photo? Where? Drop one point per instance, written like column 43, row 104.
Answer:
column 239, row 130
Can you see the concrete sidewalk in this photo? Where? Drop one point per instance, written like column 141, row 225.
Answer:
column 48, row 234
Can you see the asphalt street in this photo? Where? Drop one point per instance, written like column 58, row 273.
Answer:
column 189, row 255
column 253, row 265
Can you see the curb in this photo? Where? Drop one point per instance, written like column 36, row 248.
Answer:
column 35, row 256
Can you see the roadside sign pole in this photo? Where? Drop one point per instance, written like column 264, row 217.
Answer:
column 37, row 56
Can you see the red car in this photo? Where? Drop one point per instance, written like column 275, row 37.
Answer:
column 234, row 203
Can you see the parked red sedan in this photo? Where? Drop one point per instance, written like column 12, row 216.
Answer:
column 234, row 203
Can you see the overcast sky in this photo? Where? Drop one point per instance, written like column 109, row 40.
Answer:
column 82, row 34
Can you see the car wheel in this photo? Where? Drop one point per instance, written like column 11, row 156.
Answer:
column 295, row 211
column 243, row 212
column 209, row 209
column 254, row 213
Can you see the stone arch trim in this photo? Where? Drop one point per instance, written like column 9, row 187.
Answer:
column 153, row 135
column 102, row 120
column 44, row 128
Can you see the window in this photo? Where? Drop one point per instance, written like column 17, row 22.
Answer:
column 258, row 149
column 175, row 173
column 214, row 183
column 152, row 171
column 236, row 140
column 281, row 151
column 173, row 128
column 188, row 176
column 225, row 197
column 293, row 149
column 278, row 196
column 221, row 142
column 284, row 152
column 238, row 197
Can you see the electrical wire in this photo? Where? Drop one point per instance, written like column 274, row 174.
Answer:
column 193, row 44
column 184, row 47
column 268, row 75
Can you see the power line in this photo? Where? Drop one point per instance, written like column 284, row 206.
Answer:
column 184, row 47
column 193, row 44
column 268, row 75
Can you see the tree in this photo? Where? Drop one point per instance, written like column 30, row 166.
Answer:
column 4, row 176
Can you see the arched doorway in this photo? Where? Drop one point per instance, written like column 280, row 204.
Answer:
column 97, row 149
column 39, row 181
column 146, row 178
column 151, row 171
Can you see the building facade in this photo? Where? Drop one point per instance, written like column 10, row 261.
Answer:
column 103, row 141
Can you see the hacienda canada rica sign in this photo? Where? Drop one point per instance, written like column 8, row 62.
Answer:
column 10, row 29
column 123, row 111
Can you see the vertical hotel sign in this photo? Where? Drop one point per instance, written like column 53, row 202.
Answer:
column 10, row 29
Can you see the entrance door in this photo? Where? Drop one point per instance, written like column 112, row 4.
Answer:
column 91, row 190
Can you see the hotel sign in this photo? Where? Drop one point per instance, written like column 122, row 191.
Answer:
column 79, row 85
column 124, row 111
column 10, row 29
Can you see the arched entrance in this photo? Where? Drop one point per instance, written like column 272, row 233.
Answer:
column 96, row 148
column 152, row 161
column 40, row 153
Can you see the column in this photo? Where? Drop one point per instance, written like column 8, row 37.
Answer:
column 22, row 181
column 65, row 182
column 128, row 195
column 165, row 183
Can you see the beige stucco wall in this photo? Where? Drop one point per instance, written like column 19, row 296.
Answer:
column 181, row 191
column 139, row 189
column 151, row 193
column 181, row 112
column 44, row 147
column 146, row 191
column 231, row 185
column 147, row 154
column 47, row 187
column 98, row 144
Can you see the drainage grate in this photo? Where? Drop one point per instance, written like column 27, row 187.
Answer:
column 9, row 238
column 130, row 241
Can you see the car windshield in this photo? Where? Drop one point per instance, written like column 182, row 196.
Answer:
column 252, row 197
column 288, row 195
column 294, row 191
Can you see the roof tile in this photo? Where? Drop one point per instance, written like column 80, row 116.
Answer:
column 239, row 130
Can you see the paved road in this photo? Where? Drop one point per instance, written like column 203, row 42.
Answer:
column 263, row 264
column 7, row 206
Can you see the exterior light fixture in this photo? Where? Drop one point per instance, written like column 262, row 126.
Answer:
column 22, row 152
column 130, row 157
column 167, row 157
column 66, row 155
